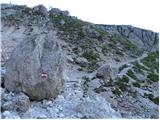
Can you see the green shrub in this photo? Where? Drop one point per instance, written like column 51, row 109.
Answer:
column 104, row 49
column 125, row 42
column 92, row 66
column 117, row 92
column 136, row 84
column 124, row 79
column 133, row 94
column 152, row 98
column 100, row 31
column 85, row 84
column 70, row 24
column 91, row 56
column 131, row 74
column 27, row 10
column 150, row 61
column 121, row 85
column 80, row 69
column 119, row 53
column 156, row 100
column 100, row 89
column 139, row 68
column 153, row 77
column 122, row 67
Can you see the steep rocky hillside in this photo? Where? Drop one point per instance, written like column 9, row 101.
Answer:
column 109, row 71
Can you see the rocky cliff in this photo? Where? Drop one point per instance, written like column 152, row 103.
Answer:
column 116, row 64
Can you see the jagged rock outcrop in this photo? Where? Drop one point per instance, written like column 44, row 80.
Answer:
column 36, row 68
column 56, row 11
column 145, row 39
column 40, row 9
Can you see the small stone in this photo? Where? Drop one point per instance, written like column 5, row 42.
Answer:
column 60, row 98
column 60, row 108
column 41, row 116
column 49, row 103
column 81, row 61
column 61, row 115
column 62, row 22
column 10, row 115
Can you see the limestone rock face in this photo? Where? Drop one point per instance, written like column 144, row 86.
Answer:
column 36, row 67
column 145, row 39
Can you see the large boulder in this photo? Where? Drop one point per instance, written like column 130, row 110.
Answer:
column 107, row 73
column 36, row 67
column 40, row 9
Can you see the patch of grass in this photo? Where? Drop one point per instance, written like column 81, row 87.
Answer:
column 126, row 44
column 27, row 11
column 105, row 50
column 136, row 84
column 70, row 25
column 91, row 56
column 100, row 89
column 92, row 66
column 131, row 74
column 75, row 50
column 152, row 98
column 129, row 46
column 156, row 100
column 88, row 44
column 124, row 79
column 133, row 94
column 119, row 53
column 150, row 61
column 139, row 68
column 101, row 31
column 85, row 84
column 122, row 83
column 122, row 86
column 153, row 77
column 122, row 67
column 117, row 92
